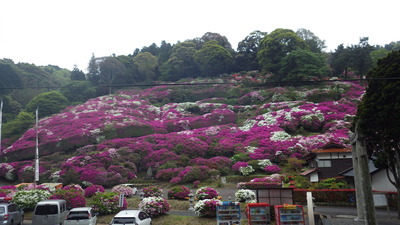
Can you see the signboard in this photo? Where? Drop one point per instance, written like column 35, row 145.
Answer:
column 121, row 200
column 380, row 199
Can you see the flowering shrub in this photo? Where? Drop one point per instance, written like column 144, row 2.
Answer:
column 127, row 191
column 246, row 170
column 206, row 193
column 245, row 195
column 181, row 192
column 107, row 203
column 206, row 207
column 272, row 169
column 74, row 198
column 239, row 165
column 154, row 206
column 92, row 190
column 29, row 198
column 153, row 191
column 76, row 187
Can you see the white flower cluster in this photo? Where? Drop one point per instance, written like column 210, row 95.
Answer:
column 245, row 195
column 246, row 170
column 265, row 162
column 280, row 136
column 250, row 149
column 10, row 171
column 199, row 206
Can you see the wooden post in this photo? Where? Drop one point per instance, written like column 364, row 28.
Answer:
column 357, row 180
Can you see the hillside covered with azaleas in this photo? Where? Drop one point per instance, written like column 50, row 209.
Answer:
column 184, row 133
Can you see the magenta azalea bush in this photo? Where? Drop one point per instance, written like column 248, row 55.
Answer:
column 153, row 191
column 272, row 169
column 115, row 137
column 92, row 190
column 207, row 207
column 75, row 187
column 74, row 198
column 180, row 192
column 206, row 193
column 154, row 206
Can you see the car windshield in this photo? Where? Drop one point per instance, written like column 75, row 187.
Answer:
column 2, row 210
column 125, row 220
column 78, row 216
column 46, row 209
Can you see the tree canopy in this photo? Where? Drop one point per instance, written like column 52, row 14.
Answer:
column 213, row 59
column 48, row 103
column 378, row 115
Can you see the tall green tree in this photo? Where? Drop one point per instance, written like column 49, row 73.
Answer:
column 361, row 58
column 147, row 66
column 340, row 61
column 77, row 74
column 246, row 57
column 9, row 76
column 93, row 70
column 48, row 102
column 314, row 43
column 378, row 117
column 181, row 63
column 213, row 59
column 275, row 46
column 303, row 65
column 78, row 91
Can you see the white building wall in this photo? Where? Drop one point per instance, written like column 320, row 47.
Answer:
column 380, row 182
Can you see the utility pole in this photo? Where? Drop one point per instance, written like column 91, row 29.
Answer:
column 362, row 178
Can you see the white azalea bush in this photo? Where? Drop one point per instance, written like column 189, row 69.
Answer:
column 245, row 195
column 29, row 198
column 154, row 206
column 207, row 207
column 126, row 190
column 246, row 170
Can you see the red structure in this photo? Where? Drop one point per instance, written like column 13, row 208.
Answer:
column 258, row 213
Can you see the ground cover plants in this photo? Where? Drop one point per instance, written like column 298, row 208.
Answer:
column 111, row 139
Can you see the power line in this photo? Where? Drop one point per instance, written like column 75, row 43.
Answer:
column 266, row 84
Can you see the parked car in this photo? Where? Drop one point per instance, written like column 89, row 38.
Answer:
column 50, row 212
column 131, row 217
column 133, row 187
column 10, row 213
column 81, row 216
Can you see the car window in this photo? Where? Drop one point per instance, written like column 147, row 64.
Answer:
column 78, row 216
column 143, row 216
column 46, row 209
column 2, row 209
column 124, row 220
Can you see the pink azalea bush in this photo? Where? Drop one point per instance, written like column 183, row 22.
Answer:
column 206, row 193
column 74, row 198
column 272, row 169
column 123, row 189
column 153, row 191
column 180, row 192
column 154, row 206
column 92, row 190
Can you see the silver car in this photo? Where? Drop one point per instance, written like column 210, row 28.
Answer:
column 10, row 213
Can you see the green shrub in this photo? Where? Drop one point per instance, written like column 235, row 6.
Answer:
column 180, row 192
column 107, row 203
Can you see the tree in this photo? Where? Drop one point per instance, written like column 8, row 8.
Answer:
column 93, row 69
column 8, row 76
column 147, row 66
column 78, row 91
column 181, row 63
column 48, row 102
column 246, row 57
column 221, row 40
column 361, row 59
column 302, row 65
column 314, row 43
column 112, row 72
column 77, row 74
column 378, row 117
column 275, row 46
column 16, row 127
column 340, row 61
column 213, row 59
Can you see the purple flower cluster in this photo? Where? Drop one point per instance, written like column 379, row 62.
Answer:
column 92, row 190
column 206, row 193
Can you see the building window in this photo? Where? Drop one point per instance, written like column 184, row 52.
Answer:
column 324, row 163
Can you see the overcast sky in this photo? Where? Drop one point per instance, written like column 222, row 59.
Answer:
column 67, row 32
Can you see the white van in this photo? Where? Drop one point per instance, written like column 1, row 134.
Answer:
column 50, row 212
